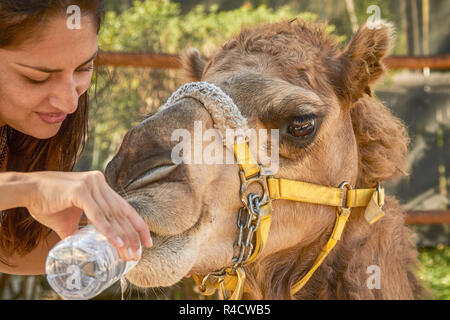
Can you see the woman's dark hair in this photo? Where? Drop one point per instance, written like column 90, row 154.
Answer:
column 19, row 19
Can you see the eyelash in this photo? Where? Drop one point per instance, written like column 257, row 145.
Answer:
column 87, row 69
column 34, row 81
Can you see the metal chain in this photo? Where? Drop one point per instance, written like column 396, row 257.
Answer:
column 248, row 222
column 249, row 218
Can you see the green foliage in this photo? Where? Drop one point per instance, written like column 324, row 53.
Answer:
column 435, row 271
column 209, row 33
column 159, row 25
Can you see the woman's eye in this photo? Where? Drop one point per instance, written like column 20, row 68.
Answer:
column 36, row 81
column 302, row 127
column 86, row 69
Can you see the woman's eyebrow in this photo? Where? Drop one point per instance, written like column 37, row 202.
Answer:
column 47, row 70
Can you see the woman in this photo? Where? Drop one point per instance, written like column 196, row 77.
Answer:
column 46, row 65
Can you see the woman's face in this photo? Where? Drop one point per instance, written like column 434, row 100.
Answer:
column 42, row 78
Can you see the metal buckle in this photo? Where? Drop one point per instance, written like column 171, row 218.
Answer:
column 343, row 209
column 246, row 182
column 380, row 189
column 219, row 277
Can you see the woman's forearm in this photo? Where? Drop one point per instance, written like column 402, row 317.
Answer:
column 32, row 263
column 14, row 189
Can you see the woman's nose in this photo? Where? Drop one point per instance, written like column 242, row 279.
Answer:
column 65, row 97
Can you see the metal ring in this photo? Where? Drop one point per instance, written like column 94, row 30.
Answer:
column 379, row 187
column 245, row 183
column 254, row 203
column 345, row 183
column 349, row 187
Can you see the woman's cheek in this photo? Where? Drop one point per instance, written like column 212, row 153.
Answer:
column 24, row 98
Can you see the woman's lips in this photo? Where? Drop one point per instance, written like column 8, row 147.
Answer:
column 52, row 118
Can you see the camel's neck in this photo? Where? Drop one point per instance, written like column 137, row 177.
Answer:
column 369, row 262
column 275, row 275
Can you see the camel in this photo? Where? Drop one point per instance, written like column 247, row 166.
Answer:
column 293, row 76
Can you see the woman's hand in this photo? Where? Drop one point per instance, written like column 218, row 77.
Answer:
column 58, row 199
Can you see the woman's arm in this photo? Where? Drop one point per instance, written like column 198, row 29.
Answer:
column 58, row 200
column 32, row 263
column 13, row 190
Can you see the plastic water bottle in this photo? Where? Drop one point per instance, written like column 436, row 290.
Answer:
column 84, row 264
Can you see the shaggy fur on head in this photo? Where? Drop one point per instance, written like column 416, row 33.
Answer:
column 382, row 143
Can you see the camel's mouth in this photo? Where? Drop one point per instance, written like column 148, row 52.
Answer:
column 169, row 259
column 150, row 176
column 173, row 229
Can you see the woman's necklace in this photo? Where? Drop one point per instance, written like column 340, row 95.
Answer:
column 3, row 145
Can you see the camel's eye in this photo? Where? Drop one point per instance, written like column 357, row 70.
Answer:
column 302, row 127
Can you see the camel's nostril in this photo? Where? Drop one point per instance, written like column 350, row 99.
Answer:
column 150, row 176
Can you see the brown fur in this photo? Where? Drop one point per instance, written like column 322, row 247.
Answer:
column 342, row 275
column 382, row 142
column 270, row 71
column 193, row 64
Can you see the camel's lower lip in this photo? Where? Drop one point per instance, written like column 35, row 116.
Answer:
column 166, row 263
column 150, row 176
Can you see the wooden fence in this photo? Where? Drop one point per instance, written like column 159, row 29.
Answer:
column 170, row 61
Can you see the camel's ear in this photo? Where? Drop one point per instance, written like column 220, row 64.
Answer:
column 193, row 64
column 359, row 64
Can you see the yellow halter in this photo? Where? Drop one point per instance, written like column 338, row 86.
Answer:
column 232, row 279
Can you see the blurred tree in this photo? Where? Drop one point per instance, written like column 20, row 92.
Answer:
column 334, row 11
column 118, row 5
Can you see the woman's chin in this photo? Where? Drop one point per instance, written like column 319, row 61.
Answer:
column 43, row 133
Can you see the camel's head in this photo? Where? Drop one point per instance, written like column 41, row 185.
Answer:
column 289, row 76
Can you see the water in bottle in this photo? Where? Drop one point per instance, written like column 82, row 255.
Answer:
column 84, row 264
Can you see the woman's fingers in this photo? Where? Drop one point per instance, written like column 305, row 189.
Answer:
column 127, row 229
column 133, row 221
column 138, row 223
column 120, row 236
column 96, row 209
